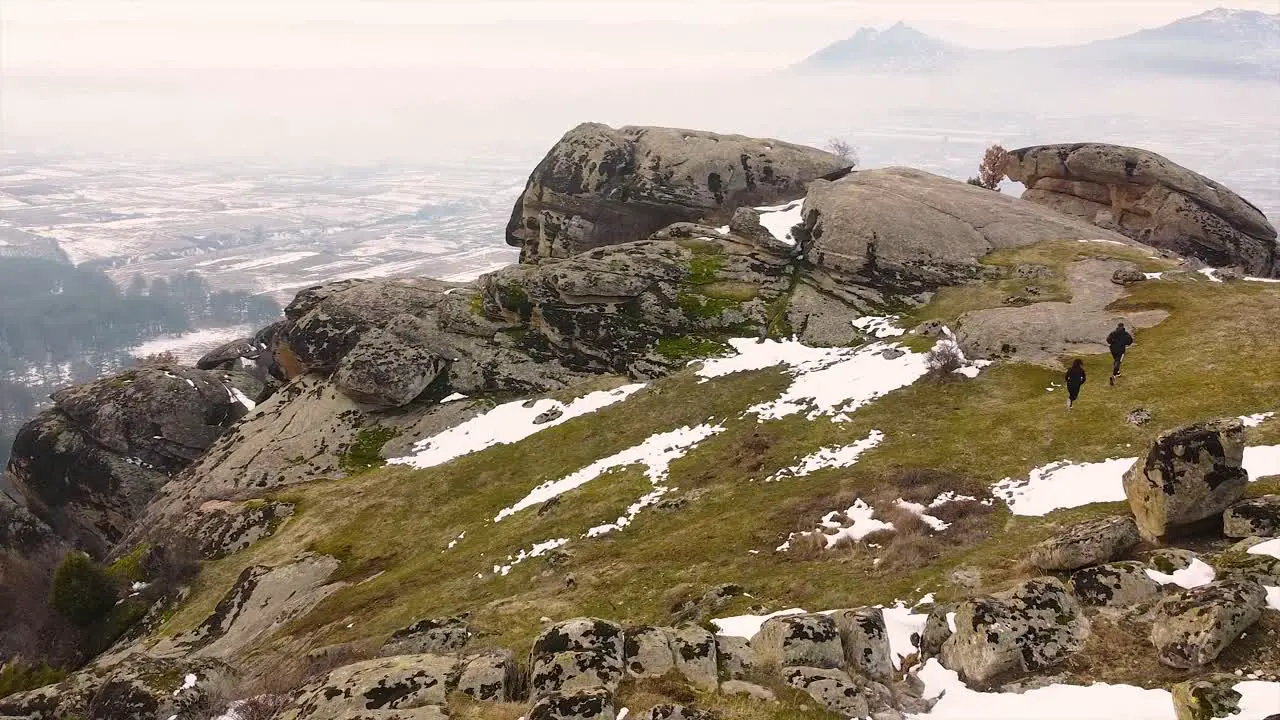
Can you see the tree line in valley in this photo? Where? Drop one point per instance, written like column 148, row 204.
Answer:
column 61, row 324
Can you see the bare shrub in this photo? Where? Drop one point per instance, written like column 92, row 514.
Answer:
column 158, row 360
column 844, row 150
column 944, row 360
column 991, row 171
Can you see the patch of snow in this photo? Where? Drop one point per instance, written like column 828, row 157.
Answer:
column 854, row 523
column 951, row 622
column 190, row 347
column 137, row 586
column 1064, row 485
column 832, row 457
column 900, row 625
column 1211, row 274
column 241, row 398
column 921, row 512
column 632, row 510
column 1270, row 547
column 1054, row 702
column 1273, row 597
column 452, row 398
column 1153, row 276
column 1197, row 574
column 723, row 230
column 1108, row 242
column 1258, row 700
column 878, row 327
column 505, row 424
column 1252, row 421
column 1263, row 280
column 779, row 219
column 844, row 383
column 655, row 453
column 537, row 550
column 1262, row 461
column 188, row 682
column 453, row 543
column 622, row 714
column 746, row 626
column 928, row 599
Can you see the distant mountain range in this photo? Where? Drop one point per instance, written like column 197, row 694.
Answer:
column 1221, row 42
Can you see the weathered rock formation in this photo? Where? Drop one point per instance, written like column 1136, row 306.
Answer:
column 600, row 186
column 1189, row 474
column 1194, row 626
column 1150, row 199
column 1255, row 517
column 1087, row 543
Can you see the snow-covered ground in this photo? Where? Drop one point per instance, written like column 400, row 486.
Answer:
column 830, row 457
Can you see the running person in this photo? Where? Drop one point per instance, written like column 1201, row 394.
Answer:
column 1075, row 380
column 1119, row 340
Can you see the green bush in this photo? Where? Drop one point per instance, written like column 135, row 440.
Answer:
column 81, row 591
column 18, row 676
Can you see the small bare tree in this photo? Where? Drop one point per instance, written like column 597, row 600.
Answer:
column 944, row 360
column 991, row 171
column 164, row 359
column 844, row 150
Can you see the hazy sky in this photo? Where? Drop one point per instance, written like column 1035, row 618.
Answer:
column 103, row 35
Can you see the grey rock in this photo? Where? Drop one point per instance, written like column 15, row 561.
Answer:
column 1207, row 698
column 429, row 636
column 546, row 417
column 936, row 631
column 578, row 654
column 1029, row 628
column 799, row 640
column 751, row 690
column 669, row 711
column 1170, row 560
column 819, row 322
column 1193, row 627
column 649, row 651
column 403, row 682
column 1148, row 198
column 386, row 371
column 223, row 528
column 1120, row 584
column 1087, row 543
column 866, row 642
column 737, row 659
column 491, row 677
column 1138, row 416
column 1255, row 517
column 225, row 356
column 832, row 689
column 1252, row 567
column 1128, row 276
column 1189, row 474
column 582, row 705
column 695, row 656
column 599, row 186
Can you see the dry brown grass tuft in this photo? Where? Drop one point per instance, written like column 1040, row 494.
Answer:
column 641, row 695
column 807, row 546
column 464, row 707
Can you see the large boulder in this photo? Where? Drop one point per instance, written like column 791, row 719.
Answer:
column 1255, row 517
column 1033, row 626
column 1194, row 626
column 800, row 640
column 1188, row 474
column 490, row 677
column 432, row 635
column 1120, row 584
column 1208, row 698
column 1150, row 199
column 578, row 654
column 1087, row 543
column 866, row 642
column 834, row 690
column 905, row 230
column 90, row 465
column 393, row 683
column 594, row 704
column 600, row 186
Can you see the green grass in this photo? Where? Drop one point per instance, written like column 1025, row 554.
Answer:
column 1202, row 362
column 364, row 453
column 689, row 347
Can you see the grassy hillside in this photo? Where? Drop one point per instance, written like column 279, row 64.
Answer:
column 392, row 527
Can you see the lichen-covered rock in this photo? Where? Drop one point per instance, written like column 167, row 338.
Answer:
column 1189, row 474
column 905, row 231
column 937, row 628
column 1128, row 276
column 392, row 683
column 581, row 705
column 384, row 370
column 491, row 677
column 600, row 186
column 1208, row 698
column 226, row 355
column 832, row 689
column 1119, row 584
column 90, row 465
column 1150, row 199
column 223, row 527
column 137, row 687
column 1255, row 517
column 1194, row 626
column 1254, row 567
column 865, row 641
column 751, row 690
column 1033, row 626
column 799, row 640
column 1170, row 560
column 695, row 655
column 578, row 654
column 736, row 658
column 649, row 651
column 1087, row 543
column 429, row 636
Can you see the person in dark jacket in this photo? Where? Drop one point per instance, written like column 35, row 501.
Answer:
column 1075, row 381
column 1119, row 340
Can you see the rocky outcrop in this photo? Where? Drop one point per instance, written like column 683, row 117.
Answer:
column 491, row 677
column 432, row 635
column 1207, row 698
column 1150, row 199
column 834, row 690
column 866, row 642
column 1121, row 584
column 1255, row 517
column 88, row 466
column 904, row 231
column 222, row 528
column 582, row 705
column 600, row 186
column 395, row 683
column 1031, row 627
column 1194, row 626
column 579, row 654
column 1086, row 543
column 1189, row 474
column 799, row 640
